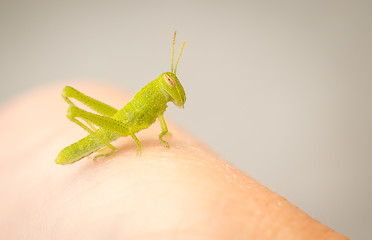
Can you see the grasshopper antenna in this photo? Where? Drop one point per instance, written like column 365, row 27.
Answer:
column 179, row 55
column 174, row 40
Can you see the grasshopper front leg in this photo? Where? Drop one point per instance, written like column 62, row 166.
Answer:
column 137, row 142
column 165, row 130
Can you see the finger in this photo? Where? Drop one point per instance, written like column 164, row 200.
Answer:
column 184, row 192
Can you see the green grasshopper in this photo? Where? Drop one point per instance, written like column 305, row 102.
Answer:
column 141, row 112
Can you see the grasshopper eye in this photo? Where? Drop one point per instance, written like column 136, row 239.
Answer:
column 169, row 80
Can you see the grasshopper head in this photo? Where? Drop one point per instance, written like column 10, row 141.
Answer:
column 172, row 89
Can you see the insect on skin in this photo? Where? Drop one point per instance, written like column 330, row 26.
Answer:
column 140, row 113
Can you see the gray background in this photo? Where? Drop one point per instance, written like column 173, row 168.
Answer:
column 282, row 89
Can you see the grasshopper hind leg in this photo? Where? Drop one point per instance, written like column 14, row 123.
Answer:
column 104, row 122
column 105, row 154
column 73, row 113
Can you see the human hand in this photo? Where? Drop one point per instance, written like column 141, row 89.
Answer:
column 184, row 192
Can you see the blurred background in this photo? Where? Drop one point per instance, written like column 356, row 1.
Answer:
column 281, row 89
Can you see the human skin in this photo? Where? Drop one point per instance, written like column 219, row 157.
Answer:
column 184, row 192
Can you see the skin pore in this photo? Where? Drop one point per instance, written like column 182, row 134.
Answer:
column 184, row 192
